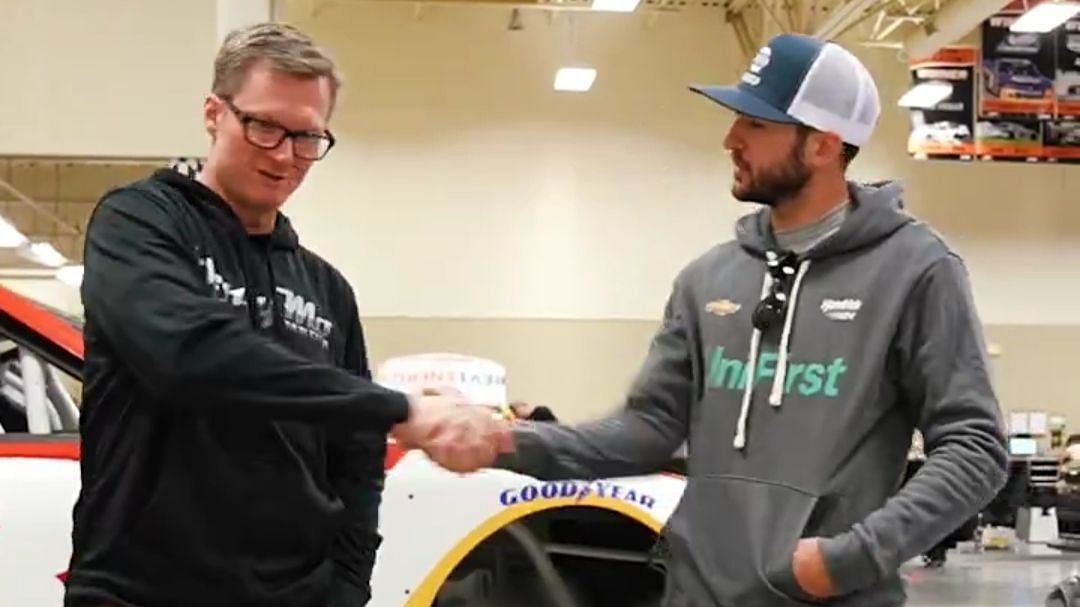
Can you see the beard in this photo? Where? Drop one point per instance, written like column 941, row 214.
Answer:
column 773, row 184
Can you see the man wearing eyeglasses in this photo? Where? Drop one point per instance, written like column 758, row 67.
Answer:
column 795, row 361
column 233, row 441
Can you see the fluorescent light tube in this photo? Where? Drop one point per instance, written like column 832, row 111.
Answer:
column 576, row 79
column 619, row 6
column 1045, row 17
column 70, row 275
column 10, row 238
column 43, row 253
column 926, row 95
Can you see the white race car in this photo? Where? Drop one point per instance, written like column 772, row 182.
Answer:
column 1004, row 130
column 944, row 131
column 492, row 538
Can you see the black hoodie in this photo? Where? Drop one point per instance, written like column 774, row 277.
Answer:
column 232, row 438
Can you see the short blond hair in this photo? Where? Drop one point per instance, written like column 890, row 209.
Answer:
column 283, row 46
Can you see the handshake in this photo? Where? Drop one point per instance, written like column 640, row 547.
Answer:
column 455, row 434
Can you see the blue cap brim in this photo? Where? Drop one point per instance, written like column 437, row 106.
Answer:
column 738, row 100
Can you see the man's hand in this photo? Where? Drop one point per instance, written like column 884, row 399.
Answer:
column 810, row 571
column 426, row 415
column 472, row 440
column 456, row 435
column 442, row 391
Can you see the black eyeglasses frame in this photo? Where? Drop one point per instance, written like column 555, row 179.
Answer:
column 326, row 138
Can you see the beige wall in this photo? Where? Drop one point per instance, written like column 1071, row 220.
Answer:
column 40, row 286
column 484, row 213
column 476, row 210
column 464, row 187
column 581, row 368
column 104, row 77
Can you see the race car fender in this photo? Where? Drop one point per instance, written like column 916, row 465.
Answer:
column 432, row 518
column 36, row 497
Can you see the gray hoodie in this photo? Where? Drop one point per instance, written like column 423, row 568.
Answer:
column 881, row 337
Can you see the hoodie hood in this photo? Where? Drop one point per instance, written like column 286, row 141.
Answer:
column 876, row 212
column 213, row 205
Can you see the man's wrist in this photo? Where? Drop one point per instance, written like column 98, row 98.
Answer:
column 407, row 411
column 849, row 564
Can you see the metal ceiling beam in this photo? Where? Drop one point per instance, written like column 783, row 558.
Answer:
column 954, row 21
column 844, row 17
column 38, row 208
column 548, row 5
column 748, row 43
column 827, row 19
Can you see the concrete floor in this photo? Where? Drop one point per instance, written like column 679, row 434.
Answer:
column 1020, row 577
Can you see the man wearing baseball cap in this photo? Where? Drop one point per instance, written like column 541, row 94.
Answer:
column 795, row 362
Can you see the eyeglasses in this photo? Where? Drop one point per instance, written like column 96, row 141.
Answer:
column 268, row 135
column 770, row 310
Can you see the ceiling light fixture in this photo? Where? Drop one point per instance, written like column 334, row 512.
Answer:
column 575, row 79
column 618, row 6
column 43, row 253
column 1045, row 17
column 10, row 238
column 926, row 95
column 70, row 275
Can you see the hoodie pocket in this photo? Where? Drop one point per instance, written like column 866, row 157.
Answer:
column 733, row 539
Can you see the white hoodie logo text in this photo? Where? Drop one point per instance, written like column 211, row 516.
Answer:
column 841, row 309
column 300, row 314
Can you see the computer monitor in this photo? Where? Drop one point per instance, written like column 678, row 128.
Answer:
column 1023, row 445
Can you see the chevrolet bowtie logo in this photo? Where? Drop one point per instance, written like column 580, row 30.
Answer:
column 722, row 307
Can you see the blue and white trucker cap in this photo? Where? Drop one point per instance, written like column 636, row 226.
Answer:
column 801, row 79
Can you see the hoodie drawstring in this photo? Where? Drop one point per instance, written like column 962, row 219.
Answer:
column 777, row 394
column 750, row 371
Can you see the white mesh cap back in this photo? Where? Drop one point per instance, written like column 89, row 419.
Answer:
column 839, row 95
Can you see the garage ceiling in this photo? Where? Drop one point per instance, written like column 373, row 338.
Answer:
column 50, row 199
column 912, row 27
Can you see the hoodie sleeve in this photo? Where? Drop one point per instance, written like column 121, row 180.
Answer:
column 640, row 438
column 355, row 461
column 144, row 292
column 940, row 358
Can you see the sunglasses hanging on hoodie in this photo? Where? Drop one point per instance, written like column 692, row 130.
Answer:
column 784, row 274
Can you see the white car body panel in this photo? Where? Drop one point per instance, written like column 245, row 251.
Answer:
column 430, row 520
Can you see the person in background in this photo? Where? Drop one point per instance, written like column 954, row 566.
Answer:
column 232, row 437
column 937, row 555
column 1069, row 483
column 796, row 360
column 536, row 413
